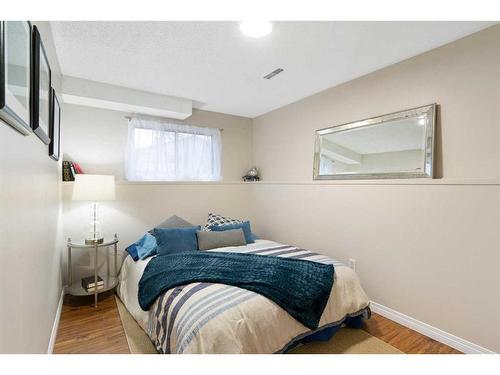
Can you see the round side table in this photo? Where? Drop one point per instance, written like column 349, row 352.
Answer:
column 110, row 282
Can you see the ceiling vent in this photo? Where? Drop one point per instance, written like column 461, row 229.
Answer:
column 273, row 73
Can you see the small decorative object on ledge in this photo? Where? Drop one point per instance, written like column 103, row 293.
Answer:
column 70, row 169
column 67, row 172
column 252, row 175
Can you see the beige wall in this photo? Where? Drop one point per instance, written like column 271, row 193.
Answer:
column 140, row 207
column 462, row 77
column 96, row 138
column 30, row 234
column 432, row 250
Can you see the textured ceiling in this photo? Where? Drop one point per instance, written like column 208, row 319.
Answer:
column 221, row 70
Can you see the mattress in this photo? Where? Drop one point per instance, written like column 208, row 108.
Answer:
column 219, row 318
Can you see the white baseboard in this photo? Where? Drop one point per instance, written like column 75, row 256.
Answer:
column 425, row 329
column 55, row 326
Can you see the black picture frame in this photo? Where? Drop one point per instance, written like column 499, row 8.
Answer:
column 55, row 127
column 41, row 89
column 15, row 111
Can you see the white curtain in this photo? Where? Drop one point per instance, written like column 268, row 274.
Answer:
column 166, row 151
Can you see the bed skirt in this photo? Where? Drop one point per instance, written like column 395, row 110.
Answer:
column 327, row 331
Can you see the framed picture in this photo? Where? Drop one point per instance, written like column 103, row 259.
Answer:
column 41, row 90
column 55, row 127
column 15, row 74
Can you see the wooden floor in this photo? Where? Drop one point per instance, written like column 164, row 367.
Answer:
column 88, row 330
column 404, row 339
column 85, row 329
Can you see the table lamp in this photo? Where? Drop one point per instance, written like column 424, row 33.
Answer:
column 94, row 188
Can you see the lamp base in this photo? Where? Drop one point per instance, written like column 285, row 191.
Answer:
column 94, row 241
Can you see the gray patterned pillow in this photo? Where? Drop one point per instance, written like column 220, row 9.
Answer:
column 215, row 219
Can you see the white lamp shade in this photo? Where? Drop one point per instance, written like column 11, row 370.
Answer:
column 94, row 187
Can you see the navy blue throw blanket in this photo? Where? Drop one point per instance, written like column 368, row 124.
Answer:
column 300, row 287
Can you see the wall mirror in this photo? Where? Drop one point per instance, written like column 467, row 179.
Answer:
column 397, row 145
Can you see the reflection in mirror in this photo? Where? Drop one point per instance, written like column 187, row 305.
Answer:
column 17, row 67
column 398, row 145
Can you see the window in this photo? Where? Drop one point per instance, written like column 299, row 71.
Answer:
column 160, row 151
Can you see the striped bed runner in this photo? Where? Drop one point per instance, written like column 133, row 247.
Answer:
column 202, row 302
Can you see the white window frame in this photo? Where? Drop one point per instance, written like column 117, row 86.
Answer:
column 165, row 156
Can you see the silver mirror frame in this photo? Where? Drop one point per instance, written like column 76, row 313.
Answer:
column 427, row 171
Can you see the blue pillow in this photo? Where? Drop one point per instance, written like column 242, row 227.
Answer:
column 144, row 247
column 132, row 250
column 176, row 240
column 247, row 231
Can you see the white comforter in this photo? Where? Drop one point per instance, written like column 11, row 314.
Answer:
column 217, row 318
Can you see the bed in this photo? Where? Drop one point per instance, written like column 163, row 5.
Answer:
column 217, row 318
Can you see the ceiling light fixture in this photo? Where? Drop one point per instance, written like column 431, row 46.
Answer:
column 256, row 29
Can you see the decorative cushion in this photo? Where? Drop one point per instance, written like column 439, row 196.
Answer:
column 132, row 250
column 245, row 226
column 173, row 221
column 215, row 239
column 144, row 247
column 176, row 240
column 215, row 219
